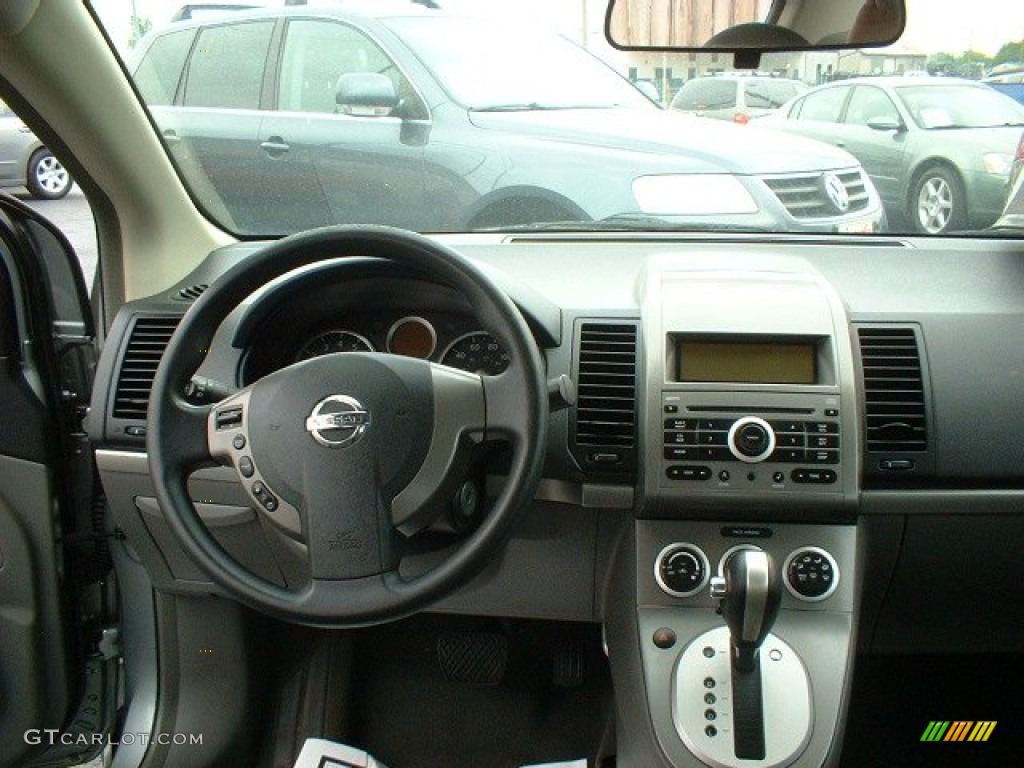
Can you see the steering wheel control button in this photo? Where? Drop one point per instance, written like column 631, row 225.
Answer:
column 709, row 682
column 681, row 570
column 811, row 574
column 337, row 421
column 751, row 439
column 238, row 442
column 229, row 418
column 245, row 467
column 664, row 638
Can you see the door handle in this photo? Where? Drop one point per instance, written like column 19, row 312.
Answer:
column 275, row 145
column 840, row 143
column 171, row 137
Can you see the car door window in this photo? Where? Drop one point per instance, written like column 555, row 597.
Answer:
column 823, row 106
column 869, row 103
column 226, row 69
column 159, row 72
column 317, row 53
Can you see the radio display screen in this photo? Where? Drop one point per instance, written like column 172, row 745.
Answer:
column 746, row 362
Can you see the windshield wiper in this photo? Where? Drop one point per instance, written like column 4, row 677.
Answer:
column 622, row 222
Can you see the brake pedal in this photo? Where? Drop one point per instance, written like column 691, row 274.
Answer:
column 477, row 658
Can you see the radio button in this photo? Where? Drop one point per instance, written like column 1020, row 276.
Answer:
column 788, row 426
column 688, row 472
column 680, row 423
column 823, row 441
column 713, row 438
column 680, row 453
column 814, row 476
column 751, row 439
column 716, row 453
column 788, row 440
column 680, row 438
column 823, row 457
column 823, row 427
column 715, row 425
column 789, row 455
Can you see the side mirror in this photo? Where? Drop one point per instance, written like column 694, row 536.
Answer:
column 365, row 94
column 885, row 124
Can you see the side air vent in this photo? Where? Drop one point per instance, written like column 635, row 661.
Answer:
column 146, row 345
column 894, row 390
column 191, row 292
column 605, row 424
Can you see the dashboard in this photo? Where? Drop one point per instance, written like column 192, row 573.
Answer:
column 731, row 394
column 944, row 479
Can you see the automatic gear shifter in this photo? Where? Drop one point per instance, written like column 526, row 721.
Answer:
column 751, row 594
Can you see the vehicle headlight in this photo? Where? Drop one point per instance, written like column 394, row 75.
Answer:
column 680, row 195
column 998, row 163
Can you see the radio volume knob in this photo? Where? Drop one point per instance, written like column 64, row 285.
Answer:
column 751, row 439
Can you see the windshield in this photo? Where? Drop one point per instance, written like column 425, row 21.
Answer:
column 960, row 106
column 488, row 68
column 482, row 115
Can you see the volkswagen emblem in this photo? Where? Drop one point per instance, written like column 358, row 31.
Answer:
column 337, row 421
column 836, row 191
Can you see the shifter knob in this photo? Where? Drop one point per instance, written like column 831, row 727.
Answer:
column 750, row 603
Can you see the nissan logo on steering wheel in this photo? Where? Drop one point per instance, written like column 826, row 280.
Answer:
column 337, row 421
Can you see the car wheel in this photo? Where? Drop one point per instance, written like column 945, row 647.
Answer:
column 938, row 203
column 47, row 179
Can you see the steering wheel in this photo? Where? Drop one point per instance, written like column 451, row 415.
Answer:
column 349, row 452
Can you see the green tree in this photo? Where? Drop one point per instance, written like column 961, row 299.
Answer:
column 139, row 27
column 1012, row 51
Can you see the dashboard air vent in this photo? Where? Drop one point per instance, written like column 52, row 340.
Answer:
column 191, row 292
column 894, row 390
column 605, row 417
column 146, row 345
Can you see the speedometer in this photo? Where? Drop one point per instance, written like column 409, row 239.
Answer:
column 333, row 341
column 478, row 352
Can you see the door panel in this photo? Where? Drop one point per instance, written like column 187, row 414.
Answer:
column 44, row 322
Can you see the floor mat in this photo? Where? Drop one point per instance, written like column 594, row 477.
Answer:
column 410, row 714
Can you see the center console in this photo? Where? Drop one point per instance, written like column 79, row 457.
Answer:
column 745, row 547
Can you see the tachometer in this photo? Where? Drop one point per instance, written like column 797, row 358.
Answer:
column 334, row 341
column 478, row 352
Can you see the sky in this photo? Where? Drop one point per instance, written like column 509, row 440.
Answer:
column 934, row 25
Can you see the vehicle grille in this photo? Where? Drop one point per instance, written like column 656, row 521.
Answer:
column 805, row 195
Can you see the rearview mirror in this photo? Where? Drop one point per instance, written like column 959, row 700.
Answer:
column 760, row 25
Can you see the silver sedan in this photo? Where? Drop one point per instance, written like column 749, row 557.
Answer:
column 25, row 162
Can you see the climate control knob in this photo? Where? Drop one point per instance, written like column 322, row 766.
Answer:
column 681, row 570
column 751, row 439
column 811, row 574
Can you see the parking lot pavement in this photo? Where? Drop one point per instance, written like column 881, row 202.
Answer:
column 73, row 217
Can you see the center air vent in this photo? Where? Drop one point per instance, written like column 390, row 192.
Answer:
column 146, row 346
column 894, row 390
column 604, row 428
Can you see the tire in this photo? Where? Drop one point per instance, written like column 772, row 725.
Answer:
column 938, row 203
column 46, row 178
